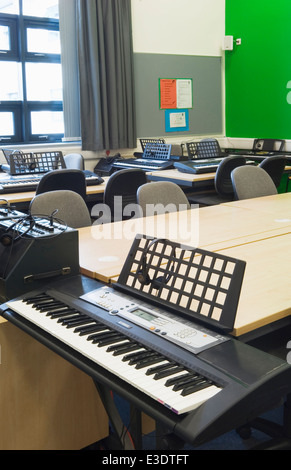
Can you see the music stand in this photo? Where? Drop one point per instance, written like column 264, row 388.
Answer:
column 35, row 163
column 191, row 282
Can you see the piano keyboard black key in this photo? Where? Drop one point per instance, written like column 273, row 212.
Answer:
column 169, row 371
column 195, row 388
column 102, row 337
column 119, row 351
column 61, row 313
column 101, row 333
column 74, row 318
column 154, row 359
column 31, row 300
column 154, row 370
column 187, row 383
column 134, row 355
column 141, row 357
column 81, row 320
column 85, row 330
column 126, row 345
column 110, row 340
column 180, row 378
column 49, row 306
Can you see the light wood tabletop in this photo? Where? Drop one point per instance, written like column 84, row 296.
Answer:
column 183, row 179
column 262, row 239
column 103, row 248
column 278, row 204
column 265, row 295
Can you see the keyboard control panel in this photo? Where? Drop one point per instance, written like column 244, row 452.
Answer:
column 188, row 335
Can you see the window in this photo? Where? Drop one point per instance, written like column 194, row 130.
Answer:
column 31, row 90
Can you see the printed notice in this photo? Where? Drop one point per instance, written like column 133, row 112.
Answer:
column 177, row 119
column 176, row 93
column 168, row 93
column 184, row 94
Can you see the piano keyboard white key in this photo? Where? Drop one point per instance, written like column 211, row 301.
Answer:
column 119, row 365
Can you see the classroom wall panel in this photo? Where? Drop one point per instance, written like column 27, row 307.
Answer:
column 206, row 115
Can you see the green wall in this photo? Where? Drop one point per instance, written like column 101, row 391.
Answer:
column 258, row 71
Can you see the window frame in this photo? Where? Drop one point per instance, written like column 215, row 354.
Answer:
column 18, row 25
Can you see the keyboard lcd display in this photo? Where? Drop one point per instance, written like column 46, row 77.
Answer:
column 143, row 314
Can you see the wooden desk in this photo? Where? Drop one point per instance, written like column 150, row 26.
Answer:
column 182, row 179
column 103, row 249
column 259, row 238
column 279, row 205
column 265, row 295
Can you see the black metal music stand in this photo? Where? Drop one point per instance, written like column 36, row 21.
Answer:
column 198, row 284
column 35, row 163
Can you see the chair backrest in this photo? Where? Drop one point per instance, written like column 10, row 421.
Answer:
column 161, row 197
column 73, row 180
column 74, row 161
column 123, row 183
column 71, row 207
column 274, row 166
column 268, row 145
column 222, row 181
column 252, row 181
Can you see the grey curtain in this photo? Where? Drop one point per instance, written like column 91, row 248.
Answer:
column 107, row 106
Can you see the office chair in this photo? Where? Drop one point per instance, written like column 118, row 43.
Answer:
column 268, row 145
column 74, row 161
column 123, row 183
column 161, row 197
column 222, row 183
column 70, row 206
column 274, row 166
column 73, row 180
column 252, row 181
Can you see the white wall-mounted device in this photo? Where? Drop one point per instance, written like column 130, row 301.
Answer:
column 227, row 44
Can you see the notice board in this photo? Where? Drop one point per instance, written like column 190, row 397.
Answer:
column 205, row 115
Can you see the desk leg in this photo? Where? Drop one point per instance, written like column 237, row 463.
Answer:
column 124, row 441
column 136, row 426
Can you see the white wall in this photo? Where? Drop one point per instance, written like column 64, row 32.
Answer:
column 189, row 27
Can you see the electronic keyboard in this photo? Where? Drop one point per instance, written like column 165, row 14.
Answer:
column 197, row 166
column 196, row 395
column 156, row 156
column 143, row 163
column 18, row 184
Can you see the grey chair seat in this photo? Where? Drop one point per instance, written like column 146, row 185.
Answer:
column 252, row 181
column 161, row 197
column 70, row 206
